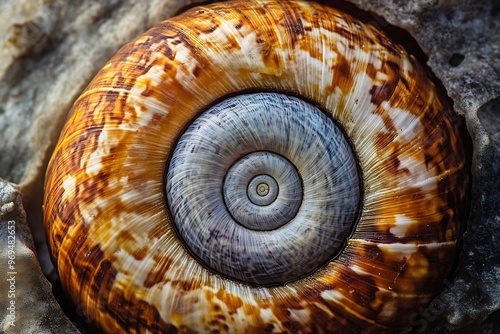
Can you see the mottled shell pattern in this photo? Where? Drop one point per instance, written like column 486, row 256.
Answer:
column 111, row 218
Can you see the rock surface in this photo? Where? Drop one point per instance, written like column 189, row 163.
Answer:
column 22, row 283
column 51, row 49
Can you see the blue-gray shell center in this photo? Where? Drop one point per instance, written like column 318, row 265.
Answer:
column 263, row 188
column 262, row 191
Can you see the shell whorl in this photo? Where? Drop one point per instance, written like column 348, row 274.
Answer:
column 115, row 221
column 247, row 137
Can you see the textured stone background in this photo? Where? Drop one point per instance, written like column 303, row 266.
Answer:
column 50, row 50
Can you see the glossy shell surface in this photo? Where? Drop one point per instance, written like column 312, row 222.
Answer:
column 263, row 135
column 108, row 224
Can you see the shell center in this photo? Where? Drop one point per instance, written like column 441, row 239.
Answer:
column 263, row 190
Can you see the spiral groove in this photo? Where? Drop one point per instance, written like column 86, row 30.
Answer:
column 262, row 191
column 309, row 188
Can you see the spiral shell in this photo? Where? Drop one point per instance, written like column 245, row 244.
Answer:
column 255, row 168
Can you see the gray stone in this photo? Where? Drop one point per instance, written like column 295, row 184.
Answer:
column 51, row 49
column 26, row 303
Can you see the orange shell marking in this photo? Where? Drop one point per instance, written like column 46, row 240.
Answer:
column 109, row 231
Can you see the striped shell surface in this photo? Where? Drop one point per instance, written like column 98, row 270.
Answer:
column 108, row 215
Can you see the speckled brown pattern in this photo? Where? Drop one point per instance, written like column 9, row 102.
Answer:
column 110, row 235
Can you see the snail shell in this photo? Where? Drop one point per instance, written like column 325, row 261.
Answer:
column 257, row 167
